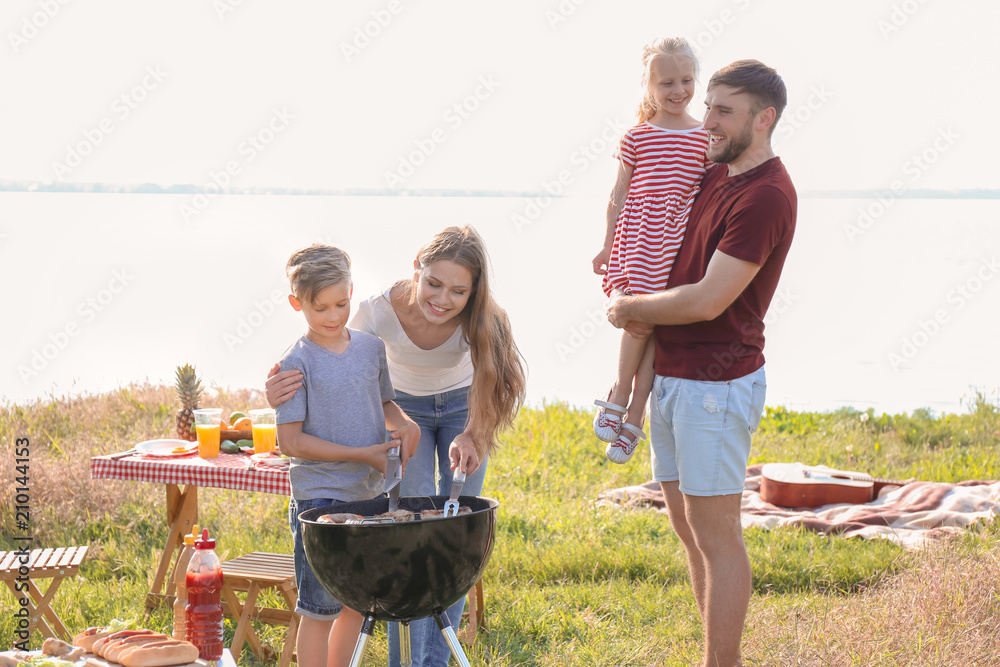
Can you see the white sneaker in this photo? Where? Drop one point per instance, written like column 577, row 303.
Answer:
column 608, row 426
column 621, row 450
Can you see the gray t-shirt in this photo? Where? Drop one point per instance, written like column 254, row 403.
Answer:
column 340, row 401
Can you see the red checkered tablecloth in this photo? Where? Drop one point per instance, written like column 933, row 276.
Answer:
column 228, row 471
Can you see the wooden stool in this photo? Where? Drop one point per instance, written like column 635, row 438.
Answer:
column 54, row 564
column 253, row 573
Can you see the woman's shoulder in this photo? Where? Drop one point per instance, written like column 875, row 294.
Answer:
column 365, row 339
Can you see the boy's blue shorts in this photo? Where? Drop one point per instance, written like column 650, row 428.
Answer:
column 314, row 600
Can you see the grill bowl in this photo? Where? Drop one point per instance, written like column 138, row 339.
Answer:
column 400, row 571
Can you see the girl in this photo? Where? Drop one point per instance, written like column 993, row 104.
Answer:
column 457, row 373
column 661, row 162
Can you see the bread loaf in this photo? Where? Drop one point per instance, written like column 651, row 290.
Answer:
column 114, row 650
column 160, row 654
column 104, row 642
column 86, row 639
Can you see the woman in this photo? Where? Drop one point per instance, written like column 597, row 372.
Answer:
column 457, row 373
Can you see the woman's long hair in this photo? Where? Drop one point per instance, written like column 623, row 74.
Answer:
column 498, row 378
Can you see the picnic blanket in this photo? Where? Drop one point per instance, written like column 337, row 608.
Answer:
column 909, row 516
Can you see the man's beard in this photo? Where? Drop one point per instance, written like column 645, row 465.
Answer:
column 735, row 146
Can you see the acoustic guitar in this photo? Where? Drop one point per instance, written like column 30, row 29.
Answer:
column 797, row 485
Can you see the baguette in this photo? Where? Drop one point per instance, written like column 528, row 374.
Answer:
column 160, row 654
column 114, row 650
column 102, row 643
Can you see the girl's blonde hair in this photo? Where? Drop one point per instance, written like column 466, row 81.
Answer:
column 498, row 379
column 665, row 46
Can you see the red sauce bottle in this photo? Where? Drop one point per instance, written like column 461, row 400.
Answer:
column 204, row 596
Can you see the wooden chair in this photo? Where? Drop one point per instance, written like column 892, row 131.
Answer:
column 54, row 564
column 474, row 617
column 252, row 573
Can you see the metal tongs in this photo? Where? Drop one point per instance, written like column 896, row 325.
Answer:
column 451, row 505
column 393, row 475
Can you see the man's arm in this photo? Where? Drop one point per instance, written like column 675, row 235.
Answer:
column 724, row 281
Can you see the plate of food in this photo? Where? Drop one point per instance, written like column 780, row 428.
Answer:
column 166, row 448
column 130, row 648
column 271, row 459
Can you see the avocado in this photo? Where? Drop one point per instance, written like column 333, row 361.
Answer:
column 229, row 447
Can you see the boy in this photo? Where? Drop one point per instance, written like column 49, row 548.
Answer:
column 333, row 428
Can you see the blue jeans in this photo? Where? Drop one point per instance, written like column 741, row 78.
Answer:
column 441, row 417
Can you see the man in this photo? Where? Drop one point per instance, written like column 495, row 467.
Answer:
column 709, row 390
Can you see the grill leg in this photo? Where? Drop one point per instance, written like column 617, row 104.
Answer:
column 449, row 634
column 405, row 660
column 367, row 626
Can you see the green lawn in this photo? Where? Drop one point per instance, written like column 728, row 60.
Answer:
column 569, row 583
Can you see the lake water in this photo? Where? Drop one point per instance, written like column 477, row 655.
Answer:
column 890, row 305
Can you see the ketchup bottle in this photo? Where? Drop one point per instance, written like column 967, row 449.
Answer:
column 204, row 595
column 180, row 583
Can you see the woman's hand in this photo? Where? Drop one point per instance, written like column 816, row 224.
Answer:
column 463, row 454
column 281, row 385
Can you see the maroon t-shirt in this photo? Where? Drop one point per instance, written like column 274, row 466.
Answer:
column 750, row 216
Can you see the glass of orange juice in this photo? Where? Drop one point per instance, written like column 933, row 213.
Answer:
column 265, row 430
column 207, row 424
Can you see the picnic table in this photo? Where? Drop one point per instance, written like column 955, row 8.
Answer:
column 182, row 476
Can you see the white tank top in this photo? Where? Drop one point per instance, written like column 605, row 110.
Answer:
column 414, row 370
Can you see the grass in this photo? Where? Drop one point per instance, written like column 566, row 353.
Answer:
column 569, row 583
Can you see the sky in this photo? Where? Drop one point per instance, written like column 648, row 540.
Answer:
column 516, row 97
column 453, row 94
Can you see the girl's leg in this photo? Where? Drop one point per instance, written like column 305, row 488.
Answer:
column 621, row 450
column 630, row 356
column 642, row 386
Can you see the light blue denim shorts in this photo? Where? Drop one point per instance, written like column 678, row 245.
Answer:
column 314, row 601
column 700, row 432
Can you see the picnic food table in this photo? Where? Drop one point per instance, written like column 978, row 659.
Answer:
column 228, row 471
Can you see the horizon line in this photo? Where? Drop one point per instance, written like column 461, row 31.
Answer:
column 185, row 188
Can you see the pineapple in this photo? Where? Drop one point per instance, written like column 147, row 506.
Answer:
column 189, row 390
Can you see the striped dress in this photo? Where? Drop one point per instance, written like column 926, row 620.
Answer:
column 667, row 170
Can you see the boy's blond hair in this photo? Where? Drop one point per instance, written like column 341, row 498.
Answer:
column 313, row 269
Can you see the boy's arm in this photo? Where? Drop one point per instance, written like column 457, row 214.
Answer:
column 401, row 428
column 294, row 442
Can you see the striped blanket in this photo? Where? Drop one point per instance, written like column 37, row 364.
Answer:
column 909, row 515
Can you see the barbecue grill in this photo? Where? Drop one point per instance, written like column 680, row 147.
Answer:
column 401, row 571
